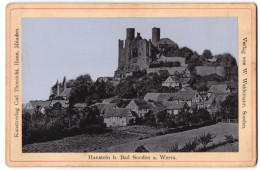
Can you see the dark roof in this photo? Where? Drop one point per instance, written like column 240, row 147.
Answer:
column 66, row 92
column 118, row 112
column 157, row 96
column 99, row 105
column 108, row 106
column 220, row 97
column 30, row 111
column 232, row 85
column 176, row 106
column 141, row 104
column 212, row 77
column 218, row 88
column 165, row 41
column 183, row 95
column 156, row 104
column 41, row 103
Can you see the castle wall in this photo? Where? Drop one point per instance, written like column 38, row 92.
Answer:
column 173, row 59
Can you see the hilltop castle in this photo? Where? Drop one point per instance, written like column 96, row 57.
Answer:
column 136, row 53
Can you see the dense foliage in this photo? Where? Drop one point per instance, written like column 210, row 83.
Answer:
column 58, row 123
column 229, row 107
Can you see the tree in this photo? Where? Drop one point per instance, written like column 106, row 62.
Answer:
column 207, row 54
column 226, row 60
column 229, row 107
column 186, row 53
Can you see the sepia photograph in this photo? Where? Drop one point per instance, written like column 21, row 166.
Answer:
column 129, row 84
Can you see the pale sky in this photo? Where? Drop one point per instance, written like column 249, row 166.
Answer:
column 56, row 47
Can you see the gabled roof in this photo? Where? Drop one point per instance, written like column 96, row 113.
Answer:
column 220, row 97
column 165, row 41
column 66, row 92
column 183, row 95
column 232, row 84
column 157, row 96
column 30, row 111
column 108, row 106
column 186, row 89
column 175, row 106
column 212, row 77
column 156, row 104
column 169, row 103
column 117, row 112
column 99, row 105
column 41, row 103
column 142, row 104
column 172, row 79
column 64, row 103
column 218, row 88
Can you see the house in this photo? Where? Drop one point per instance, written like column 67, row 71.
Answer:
column 107, row 106
column 209, row 99
column 221, row 88
column 157, row 97
column 175, row 108
column 171, row 81
column 221, row 92
column 115, row 117
column 191, row 97
column 34, row 105
column 141, row 107
column 63, row 103
column 156, row 107
column 109, row 100
column 65, row 94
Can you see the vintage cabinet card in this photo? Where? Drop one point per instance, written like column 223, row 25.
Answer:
column 131, row 85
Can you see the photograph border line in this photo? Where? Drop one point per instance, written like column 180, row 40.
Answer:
column 10, row 13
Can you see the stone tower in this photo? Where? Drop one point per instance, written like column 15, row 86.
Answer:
column 121, row 54
column 130, row 34
column 155, row 35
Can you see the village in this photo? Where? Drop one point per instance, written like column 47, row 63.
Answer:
column 185, row 87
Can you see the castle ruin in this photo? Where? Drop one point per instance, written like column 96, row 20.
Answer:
column 136, row 53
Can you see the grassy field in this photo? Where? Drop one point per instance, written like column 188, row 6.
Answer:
column 127, row 139
column 161, row 143
column 87, row 143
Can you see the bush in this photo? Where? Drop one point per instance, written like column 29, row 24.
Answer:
column 190, row 146
column 205, row 139
column 173, row 148
column 229, row 138
column 141, row 149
